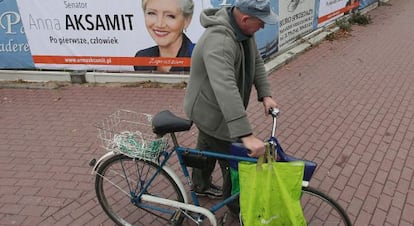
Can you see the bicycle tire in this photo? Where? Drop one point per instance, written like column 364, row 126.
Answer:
column 117, row 201
column 320, row 209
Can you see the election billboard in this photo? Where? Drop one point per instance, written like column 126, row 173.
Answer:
column 93, row 34
column 365, row 3
column 330, row 10
column 100, row 35
column 14, row 49
column 297, row 18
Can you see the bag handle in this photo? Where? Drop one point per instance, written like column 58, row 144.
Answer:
column 267, row 157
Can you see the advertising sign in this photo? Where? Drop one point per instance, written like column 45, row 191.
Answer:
column 14, row 49
column 267, row 38
column 93, row 34
column 102, row 36
column 297, row 17
column 332, row 9
column 365, row 3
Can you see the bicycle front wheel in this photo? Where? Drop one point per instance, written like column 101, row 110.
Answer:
column 118, row 182
column 320, row 209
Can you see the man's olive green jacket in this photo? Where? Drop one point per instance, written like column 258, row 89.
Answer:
column 225, row 65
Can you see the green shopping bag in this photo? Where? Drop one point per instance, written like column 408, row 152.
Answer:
column 235, row 185
column 270, row 192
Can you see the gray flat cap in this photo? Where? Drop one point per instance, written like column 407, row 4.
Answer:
column 258, row 8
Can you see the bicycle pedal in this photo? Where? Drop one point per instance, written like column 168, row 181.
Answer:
column 223, row 220
column 176, row 216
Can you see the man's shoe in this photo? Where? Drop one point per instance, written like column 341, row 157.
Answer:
column 213, row 192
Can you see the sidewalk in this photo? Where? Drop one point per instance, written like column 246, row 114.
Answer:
column 347, row 104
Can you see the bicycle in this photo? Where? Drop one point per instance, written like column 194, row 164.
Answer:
column 134, row 184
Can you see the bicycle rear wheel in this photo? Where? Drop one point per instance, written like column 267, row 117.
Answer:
column 120, row 178
column 320, row 209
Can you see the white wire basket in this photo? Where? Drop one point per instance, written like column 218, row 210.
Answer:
column 130, row 133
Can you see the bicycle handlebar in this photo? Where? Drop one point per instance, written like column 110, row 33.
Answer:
column 275, row 113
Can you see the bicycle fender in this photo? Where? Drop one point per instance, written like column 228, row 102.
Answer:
column 177, row 180
column 101, row 159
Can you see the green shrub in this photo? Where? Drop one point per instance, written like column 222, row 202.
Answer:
column 357, row 18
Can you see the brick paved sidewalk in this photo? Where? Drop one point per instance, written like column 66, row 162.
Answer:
column 346, row 104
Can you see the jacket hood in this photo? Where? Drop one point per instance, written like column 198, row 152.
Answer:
column 212, row 17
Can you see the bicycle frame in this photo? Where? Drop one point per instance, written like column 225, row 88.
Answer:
column 180, row 150
column 237, row 153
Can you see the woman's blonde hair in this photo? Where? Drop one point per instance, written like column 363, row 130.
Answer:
column 187, row 6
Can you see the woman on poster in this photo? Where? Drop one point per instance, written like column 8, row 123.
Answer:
column 166, row 26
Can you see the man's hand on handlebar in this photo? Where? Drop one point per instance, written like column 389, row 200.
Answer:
column 254, row 145
column 268, row 104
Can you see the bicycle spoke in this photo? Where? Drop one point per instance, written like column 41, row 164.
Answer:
column 118, row 175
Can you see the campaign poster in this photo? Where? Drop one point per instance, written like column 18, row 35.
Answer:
column 296, row 18
column 94, row 34
column 267, row 38
column 14, row 49
column 330, row 10
column 100, row 35
column 366, row 3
